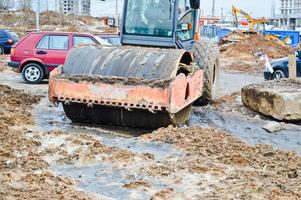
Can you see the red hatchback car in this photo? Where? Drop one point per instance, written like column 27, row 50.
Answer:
column 38, row 53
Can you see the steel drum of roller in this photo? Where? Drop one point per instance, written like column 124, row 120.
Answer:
column 144, row 63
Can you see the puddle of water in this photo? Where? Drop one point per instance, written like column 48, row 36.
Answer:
column 102, row 178
column 250, row 131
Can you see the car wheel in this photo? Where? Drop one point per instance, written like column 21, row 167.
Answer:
column 279, row 74
column 32, row 73
column 2, row 51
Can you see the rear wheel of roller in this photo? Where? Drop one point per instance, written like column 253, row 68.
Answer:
column 80, row 113
column 206, row 54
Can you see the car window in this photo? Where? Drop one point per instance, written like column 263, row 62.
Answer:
column 82, row 40
column 44, row 43
column 59, row 42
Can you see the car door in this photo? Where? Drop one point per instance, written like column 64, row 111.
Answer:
column 53, row 50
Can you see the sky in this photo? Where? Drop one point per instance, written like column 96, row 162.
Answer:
column 257, row 8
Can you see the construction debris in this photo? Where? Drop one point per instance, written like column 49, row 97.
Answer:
column 278, row 99
column 23, row 172
column 24, row 21
column 208, row 163
column 238, row 51
column 273, row 127
column 239, row 170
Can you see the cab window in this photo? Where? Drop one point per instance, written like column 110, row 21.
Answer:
column 186, row 22
column 149, row 17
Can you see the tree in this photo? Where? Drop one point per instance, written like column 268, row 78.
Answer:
column 6, row 4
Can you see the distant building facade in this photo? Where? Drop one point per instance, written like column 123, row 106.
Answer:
column 85, row 7
column 290, row 13
column 81, row 7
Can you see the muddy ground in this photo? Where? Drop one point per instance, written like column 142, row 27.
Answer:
column 44, row 156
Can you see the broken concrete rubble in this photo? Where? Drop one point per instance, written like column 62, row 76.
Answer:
column 273, row 127
column 278, row 99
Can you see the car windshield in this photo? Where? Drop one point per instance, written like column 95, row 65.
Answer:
column 13, row 35
column 149, row 17
column 102, row 41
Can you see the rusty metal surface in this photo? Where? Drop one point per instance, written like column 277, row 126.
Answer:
column 144, row 63
column 181, row 92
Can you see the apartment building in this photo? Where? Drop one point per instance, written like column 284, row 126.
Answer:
column 290, row 13
column 81, row 7
column 85, row 7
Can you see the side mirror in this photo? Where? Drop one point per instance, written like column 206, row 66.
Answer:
column 195, row 4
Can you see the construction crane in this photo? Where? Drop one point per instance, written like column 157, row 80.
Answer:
column 252, row 22
column 163, row 68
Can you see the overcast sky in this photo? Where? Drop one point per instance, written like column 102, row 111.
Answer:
column 257, row 8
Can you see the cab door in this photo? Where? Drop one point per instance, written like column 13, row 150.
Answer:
column 186, row 25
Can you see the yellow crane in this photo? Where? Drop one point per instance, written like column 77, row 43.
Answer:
column 252, row 22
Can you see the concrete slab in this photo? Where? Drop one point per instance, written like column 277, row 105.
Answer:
column 278, row 99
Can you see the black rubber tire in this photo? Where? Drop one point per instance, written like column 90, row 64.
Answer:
column 2, row 50
column 37, row 68
column 206, row 55
column 279, row 74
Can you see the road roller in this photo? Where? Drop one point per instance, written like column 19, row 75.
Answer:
column 162, row 68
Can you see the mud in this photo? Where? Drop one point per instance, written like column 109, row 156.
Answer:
column 241, row 63
column 48, row 157
column 239, row 170
column 24, row 174
column 117, row 80
column 3, row 62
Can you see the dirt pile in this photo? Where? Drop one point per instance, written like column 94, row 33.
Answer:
column 23, row 173
column 24, row 21
column 228, row 168
column 238, row 49
column 238, row 43
column 3, row 62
